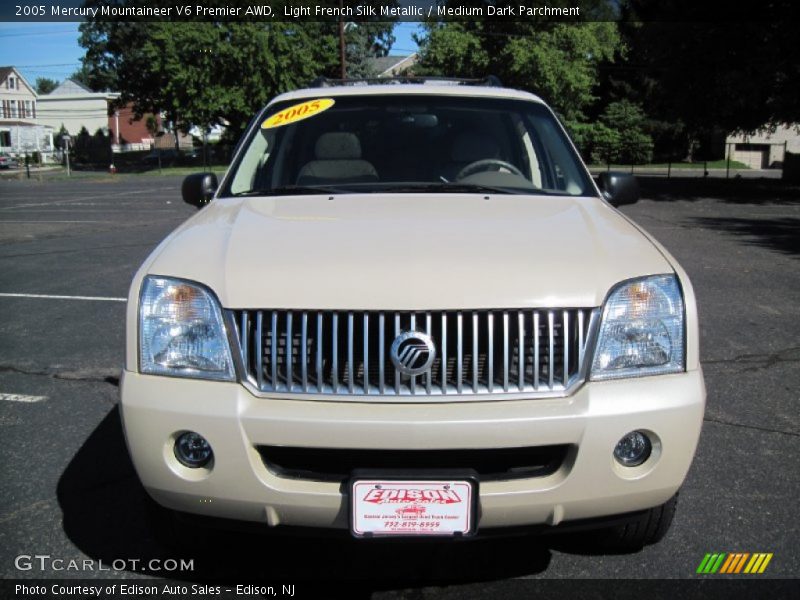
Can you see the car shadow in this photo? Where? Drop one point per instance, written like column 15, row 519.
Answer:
column 735, row 191
column 782, row 235
column 105, row 514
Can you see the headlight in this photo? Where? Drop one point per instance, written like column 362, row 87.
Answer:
column 642, row 331
column 181, row 331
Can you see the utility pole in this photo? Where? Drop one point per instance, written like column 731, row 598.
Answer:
column 341, row 40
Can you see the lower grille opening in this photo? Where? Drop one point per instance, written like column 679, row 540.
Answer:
column 336, row 464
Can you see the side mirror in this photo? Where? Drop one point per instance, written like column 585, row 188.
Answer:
column 618, row 188
column 198, row 189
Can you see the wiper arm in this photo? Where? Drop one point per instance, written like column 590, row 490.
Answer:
column 445, row 187
column 288, row 190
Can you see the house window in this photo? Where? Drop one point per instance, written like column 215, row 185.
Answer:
column 21, row 109
column 12, row 84
column 5, row 138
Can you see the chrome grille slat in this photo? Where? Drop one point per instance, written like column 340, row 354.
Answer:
column 347, row 353
column 413, row 379
column 350, row 383
column 304, row 350
column 274, row 348
column 443, row 353
column 259, row 349
column 396, row 372
column 366, row 351
column 475, row 337
column 536, row 354
column 335, row 354
column 490, row 353
column 505, row 351
column 319, row 351
column 381, row 342
column 521, row 350
column 429, row 374
column 551, row 347
column 460, row 377
column 289, row 359
column 565, row 330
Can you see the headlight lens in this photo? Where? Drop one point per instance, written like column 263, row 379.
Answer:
column 181, row 331
column 642, row 331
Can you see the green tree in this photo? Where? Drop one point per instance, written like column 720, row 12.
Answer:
column 701, row 77
column 623, row 134
column 208, row 73
column 45, row 85
column 558, row 61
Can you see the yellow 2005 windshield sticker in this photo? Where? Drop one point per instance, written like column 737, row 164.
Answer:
column 298, row 112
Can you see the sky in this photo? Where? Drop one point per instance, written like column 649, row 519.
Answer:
column 52, row 50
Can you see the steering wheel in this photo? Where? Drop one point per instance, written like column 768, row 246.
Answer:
column 483, row 164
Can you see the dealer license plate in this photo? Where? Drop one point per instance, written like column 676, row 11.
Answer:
column 408, row 507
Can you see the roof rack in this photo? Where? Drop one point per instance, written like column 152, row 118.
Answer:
column 489, row 81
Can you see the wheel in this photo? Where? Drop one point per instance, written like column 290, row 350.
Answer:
column 484, row 165
column 647, row 528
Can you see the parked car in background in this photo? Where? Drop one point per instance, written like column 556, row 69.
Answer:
column 8, row 162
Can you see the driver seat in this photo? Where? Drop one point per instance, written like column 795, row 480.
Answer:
column 468, row 147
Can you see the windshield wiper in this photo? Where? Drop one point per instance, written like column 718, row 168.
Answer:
column 446, row 187
column 289, row 190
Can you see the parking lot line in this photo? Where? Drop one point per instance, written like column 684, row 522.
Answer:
column 21, row 398
column 54, row 297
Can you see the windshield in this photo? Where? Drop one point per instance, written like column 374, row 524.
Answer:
column 405, row 143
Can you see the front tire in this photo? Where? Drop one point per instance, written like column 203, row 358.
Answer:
column 645, row 529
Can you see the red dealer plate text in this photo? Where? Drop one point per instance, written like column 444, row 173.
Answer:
column 411, row 507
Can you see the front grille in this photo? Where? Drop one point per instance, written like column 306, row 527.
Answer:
column 477, row 352
column 337, row 464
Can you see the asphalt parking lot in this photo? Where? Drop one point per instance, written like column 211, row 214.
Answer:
column 69, row 248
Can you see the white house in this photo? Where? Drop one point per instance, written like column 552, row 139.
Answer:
column 394, row 66
column 765, row 148
column 75, row 107
column 20, row 129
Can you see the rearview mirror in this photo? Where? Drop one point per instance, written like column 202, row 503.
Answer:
column 198, row 189
column 618, row 188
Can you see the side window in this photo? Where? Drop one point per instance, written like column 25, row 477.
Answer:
column 253, row 162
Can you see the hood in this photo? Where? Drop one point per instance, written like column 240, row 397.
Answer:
column 408, row 251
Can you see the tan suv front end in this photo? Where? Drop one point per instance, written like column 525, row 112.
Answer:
column 541, row 350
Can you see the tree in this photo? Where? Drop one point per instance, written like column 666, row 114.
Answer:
column 701, row 77
column 45, row 85
column 557, row 60
column 207, row 73
column 625, row 138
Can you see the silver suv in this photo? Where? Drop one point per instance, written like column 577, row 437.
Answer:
column 408, row 310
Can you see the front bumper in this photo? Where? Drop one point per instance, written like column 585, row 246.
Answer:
column 238, row 485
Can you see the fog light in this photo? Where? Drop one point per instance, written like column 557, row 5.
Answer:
column 633, row 449
column 193, row 450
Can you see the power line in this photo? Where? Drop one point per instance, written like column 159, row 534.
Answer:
column 36, row 33
column 72, row 64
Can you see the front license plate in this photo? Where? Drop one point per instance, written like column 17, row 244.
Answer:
column 408, row 507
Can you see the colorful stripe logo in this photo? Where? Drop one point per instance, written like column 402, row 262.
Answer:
column 734, row 563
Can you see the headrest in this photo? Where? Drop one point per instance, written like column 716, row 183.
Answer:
column 337, row 146
column 471, row 146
